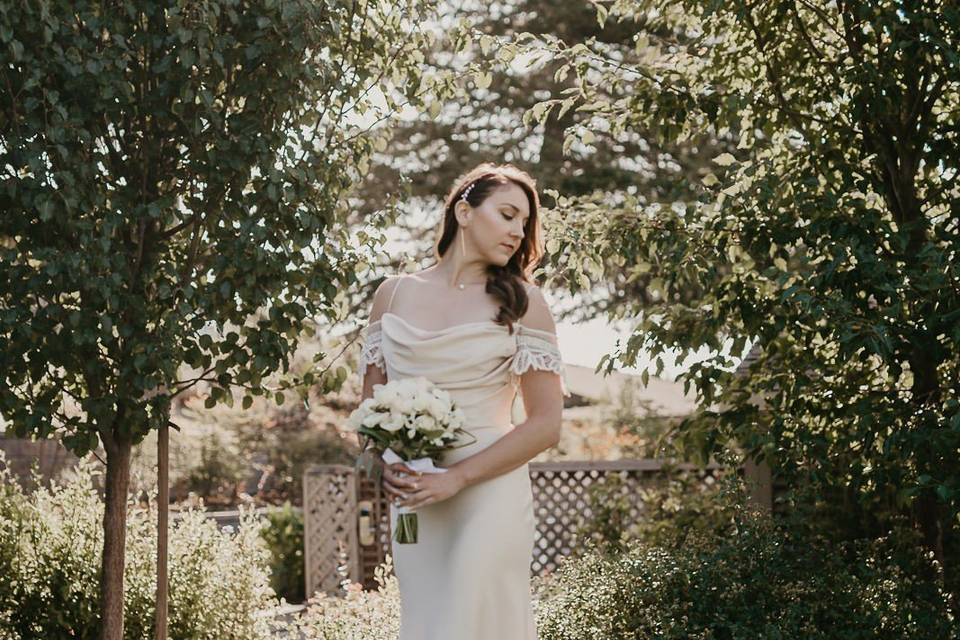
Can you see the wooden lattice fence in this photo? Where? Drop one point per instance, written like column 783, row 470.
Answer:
column 565, row 498
column 329, row 526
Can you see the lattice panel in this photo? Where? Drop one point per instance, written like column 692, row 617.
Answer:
column 561, row 503
column 330, row 523
column 373, row 555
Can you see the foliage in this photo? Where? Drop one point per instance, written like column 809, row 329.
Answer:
column 609, row 523
column 49, row 557
column 355, row 614
column 284, row 444
column 498, row 88
column 262, row 451
column 176, row 181
column 827, row 238
column 755, row 579
column 198, row 181
column 635, row 416
column 218, row 470
column 760, row 581
column 283, row 533
column 670, row 508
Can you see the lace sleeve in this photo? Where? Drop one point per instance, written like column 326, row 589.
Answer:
column 538, row 349
column 371, row 352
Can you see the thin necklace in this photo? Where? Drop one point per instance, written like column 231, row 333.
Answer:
column 462, row 285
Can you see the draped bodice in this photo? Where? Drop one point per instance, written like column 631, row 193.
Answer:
column 478, row 363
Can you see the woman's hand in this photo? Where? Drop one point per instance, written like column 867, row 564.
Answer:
column 428, row 488
column 398, row 480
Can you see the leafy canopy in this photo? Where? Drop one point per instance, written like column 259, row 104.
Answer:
column 827, row 238
column 175, row 186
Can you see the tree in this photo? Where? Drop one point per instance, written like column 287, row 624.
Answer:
column 430, row 149
column 828, row 239
column 175, row 178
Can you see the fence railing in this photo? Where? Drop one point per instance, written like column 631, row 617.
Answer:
column 346, row 518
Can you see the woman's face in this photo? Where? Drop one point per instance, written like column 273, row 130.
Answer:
column 496, row 226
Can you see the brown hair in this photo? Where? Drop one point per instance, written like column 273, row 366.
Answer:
column 505, row 283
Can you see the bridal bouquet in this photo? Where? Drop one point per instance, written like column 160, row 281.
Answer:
column 408, row 420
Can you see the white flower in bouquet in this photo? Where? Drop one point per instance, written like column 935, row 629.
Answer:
column 426, row 423
column 373, row 419
column 409, row 420
column 392, row 422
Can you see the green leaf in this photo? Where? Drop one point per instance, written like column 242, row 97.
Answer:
column 724, row 160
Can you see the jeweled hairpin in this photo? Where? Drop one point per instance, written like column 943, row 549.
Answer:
column 466, row 192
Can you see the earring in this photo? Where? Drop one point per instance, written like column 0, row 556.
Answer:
column 463, row 242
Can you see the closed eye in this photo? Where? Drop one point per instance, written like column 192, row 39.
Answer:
column 512, row 217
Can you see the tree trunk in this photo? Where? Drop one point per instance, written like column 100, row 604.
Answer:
column 163, row 504
column 114, row 537
column 897, row 164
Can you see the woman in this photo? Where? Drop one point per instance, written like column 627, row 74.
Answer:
column 474, row 325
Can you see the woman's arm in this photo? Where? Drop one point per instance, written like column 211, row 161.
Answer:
column 394, row 484
column 373, row 374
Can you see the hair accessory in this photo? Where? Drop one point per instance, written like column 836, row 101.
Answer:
column 466, row 192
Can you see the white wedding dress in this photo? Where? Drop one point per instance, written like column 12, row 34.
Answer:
column 468, row 576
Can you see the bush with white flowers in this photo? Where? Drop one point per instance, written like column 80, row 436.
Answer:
column 354, row 614
column 50, row 543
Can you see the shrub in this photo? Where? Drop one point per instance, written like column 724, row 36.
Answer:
column 356, row 614
column 50, row 544
column 283, row 532
column 756, row 580
column 761, row 581
column 219, row 470
column 682, row 501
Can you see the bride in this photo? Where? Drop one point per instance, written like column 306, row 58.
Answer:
column 475, row 325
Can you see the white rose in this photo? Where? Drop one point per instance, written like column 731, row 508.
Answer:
column 421, row 402
column 404, row 405
column 391, row 423
column 434, row 407
column 373, row 419
column 384, row 394
column 425, row 423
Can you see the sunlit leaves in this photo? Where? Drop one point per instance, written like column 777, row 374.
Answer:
column 811, row 240
column 180, row 207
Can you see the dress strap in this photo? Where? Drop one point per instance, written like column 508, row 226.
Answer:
column 394, row 293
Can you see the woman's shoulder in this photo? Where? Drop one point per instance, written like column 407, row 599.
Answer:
column 383, row 295
column 538, row 314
